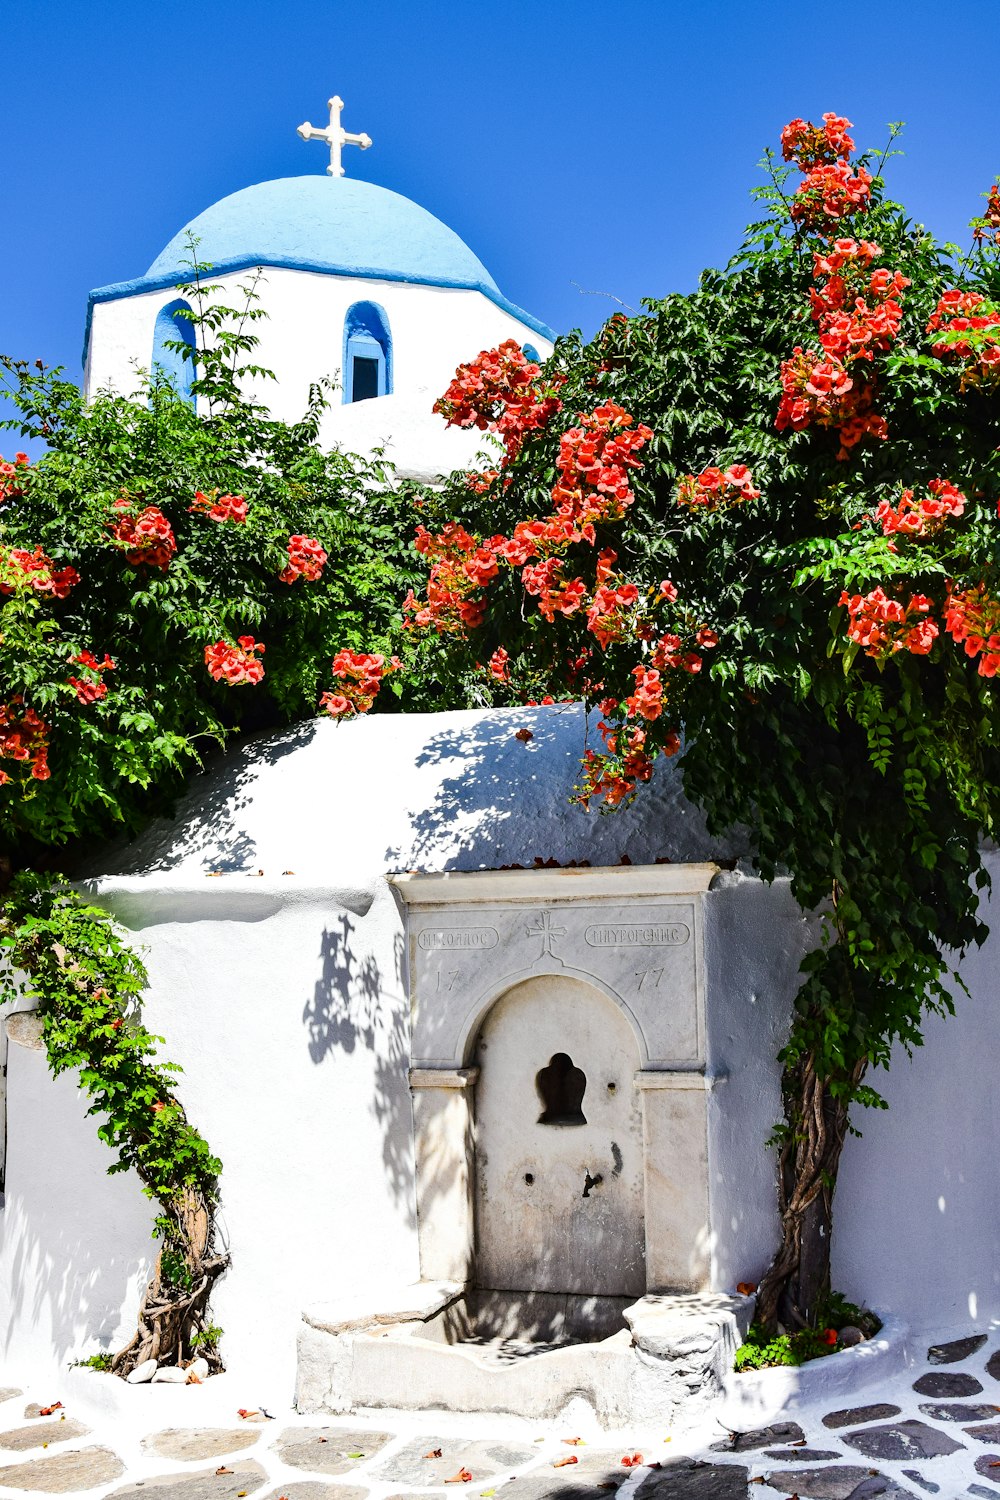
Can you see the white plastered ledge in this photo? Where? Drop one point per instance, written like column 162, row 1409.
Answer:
column 477, row 887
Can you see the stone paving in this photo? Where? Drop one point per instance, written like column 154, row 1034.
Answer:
column 919, row 1436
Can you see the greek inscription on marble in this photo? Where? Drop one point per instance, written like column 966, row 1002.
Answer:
column 638, row 935
column 457, row 939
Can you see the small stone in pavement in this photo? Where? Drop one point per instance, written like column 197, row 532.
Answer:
column 838, row 1483
column 81, row 1469
column 951, row 1353
column 203, row 1484
column 980, row 1489
column 918, row 1478
column 22, row 1438
column 746, row 1442
column 946, row 1386
column 851, row 1416
column 325, row 1450
column 200, row 1442
column 956, row 1411
column 8, row 1392
column 801, row 1455
column 993, row 1365
column 481, row 1457
column 989, row 1432
column 895, row 1440
column 988, row 1465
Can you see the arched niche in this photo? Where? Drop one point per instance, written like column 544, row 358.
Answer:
column 619, row 953
column 367, row 360
column 169, row 363
column 558, row 1144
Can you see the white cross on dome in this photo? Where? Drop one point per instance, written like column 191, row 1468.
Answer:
column 335, row 136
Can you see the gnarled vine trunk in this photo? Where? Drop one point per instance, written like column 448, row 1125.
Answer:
column 175, row 1306
column 799, row 1276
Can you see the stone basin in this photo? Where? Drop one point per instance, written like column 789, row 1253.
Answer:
column 440, row 1345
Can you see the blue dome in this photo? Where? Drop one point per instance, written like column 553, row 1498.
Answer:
column 338, row 226
column 328, row 224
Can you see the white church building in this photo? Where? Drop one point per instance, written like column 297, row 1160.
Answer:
column 360, row 285
column 450, row 1091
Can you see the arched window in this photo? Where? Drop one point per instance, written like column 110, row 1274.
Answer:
column 530, row 352
column 367, row 353
column 170, row 364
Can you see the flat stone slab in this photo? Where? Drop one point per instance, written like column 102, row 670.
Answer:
column 315, row 1489
column 841, row 1483
column 200, row 1442
column 925, row 1484
column 896, row 1440
column 801, row 1455
column 8, row 1392
column 989, row 1432
column 407, row 1304
column 956, row 1349
column 328, row 1450
column 956, row 1411
column 853, row 1416
column 993, row 1365
column 60, row 1473
column 483, row 1458
column 594, row 1477
column 988, row 1465
column 980, row 1489
column 946, row 1386
column 880, row 1485
column 23, row 1438
column 761, row 1437
column 204, row 1484
column 687, row 1480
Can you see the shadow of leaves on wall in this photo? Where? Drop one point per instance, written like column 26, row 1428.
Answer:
column 500, row 800
column 359, row 1002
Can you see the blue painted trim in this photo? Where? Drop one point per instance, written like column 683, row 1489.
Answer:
column 179, row 371
column 142, row 284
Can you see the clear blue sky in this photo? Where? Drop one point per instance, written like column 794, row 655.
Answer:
column 609, row 146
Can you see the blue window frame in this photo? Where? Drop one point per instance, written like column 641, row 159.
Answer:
column 367, row 362
column 530, row 352
column 170, row 364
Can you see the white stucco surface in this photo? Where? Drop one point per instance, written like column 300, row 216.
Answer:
column 433, row 330
column 282, row 994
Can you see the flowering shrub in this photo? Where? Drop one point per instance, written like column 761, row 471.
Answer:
column 748, row 539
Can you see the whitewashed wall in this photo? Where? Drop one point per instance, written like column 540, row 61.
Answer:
column 282, row 996
column 434, row 329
